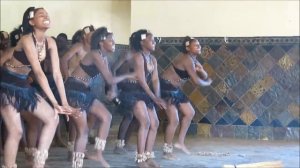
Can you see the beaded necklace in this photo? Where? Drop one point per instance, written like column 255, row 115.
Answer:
column 40, row 46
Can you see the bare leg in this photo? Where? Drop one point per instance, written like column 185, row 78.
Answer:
column 134, row 125
column 32, row 133
column 123, row 129
column 104, row 116
column 82, row 133
column 173, row 121
column 81, row 140
column 45, row 113
column 91, row 121
column 154, row 123
column 188, row 114
column 58, row 138
column 71, row 139
column 13, row 125
column 141, row 114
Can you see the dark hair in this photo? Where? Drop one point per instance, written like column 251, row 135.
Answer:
column 136, row 38
column 2, row 35
column 27, row 28
column 62, row 35
column 99, row 35
column 2, row 38
column 15, row 36
column 77, row 37
column 187, row 40
column 88, row 29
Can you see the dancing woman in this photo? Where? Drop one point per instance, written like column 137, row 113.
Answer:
column 183, row 68
column 18, row 96
column 137, row 97
column 79, row 93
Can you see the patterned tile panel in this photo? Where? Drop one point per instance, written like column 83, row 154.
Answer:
column 255, row 89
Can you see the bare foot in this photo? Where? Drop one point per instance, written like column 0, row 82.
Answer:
column 99, row 158
column 182, row 147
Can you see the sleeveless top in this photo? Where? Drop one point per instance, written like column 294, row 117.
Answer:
column 21, row 56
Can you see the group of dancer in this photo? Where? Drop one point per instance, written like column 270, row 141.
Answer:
column 38, row 83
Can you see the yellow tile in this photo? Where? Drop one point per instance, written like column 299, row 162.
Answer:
column 203, row 106
column 204, row 130
column 222, row 88
column 249, row 98
column 210, row 71
column 233, row 62
column 207, row 52
column 294, row 109
column 285, row 62
column 196, row 96
column 248, row 117
column 262, row 86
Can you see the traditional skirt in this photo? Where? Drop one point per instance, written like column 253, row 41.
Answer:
column 172, row 93
column 52, row 87
column 78, row 94
column 130, row 94
column 16, row 91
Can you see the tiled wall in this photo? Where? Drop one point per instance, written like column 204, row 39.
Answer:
column 255, row 89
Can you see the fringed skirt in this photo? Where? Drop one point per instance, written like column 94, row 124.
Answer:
column 172, row 93
column 16, row 91
column 78, row 94
column 52, row 86
column 130, row 94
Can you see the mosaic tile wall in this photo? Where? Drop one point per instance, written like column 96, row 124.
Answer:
column 255, row 89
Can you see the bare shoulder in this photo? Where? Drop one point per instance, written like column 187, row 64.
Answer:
column 51, row 42
column 26, row 38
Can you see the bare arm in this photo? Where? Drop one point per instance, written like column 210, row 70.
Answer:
column 57, row 76
column 6, row 56
column 102, row 66
column 191, row 69
column 67, row 57
column 118, row 63
column 200, row 71
column 32, row 56
column 155, row 79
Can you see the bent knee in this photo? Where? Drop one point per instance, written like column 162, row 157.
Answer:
column 155, row 125
column 16, row 133
column 145, row 124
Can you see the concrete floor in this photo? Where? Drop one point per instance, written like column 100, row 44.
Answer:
column 237, row 152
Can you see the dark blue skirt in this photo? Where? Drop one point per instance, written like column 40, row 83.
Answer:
column 172, row 93
column 130, row 94
column 16, row 91
column 52, row 87
column 78, row 94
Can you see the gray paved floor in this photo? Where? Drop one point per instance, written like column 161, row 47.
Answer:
column 240, row 151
